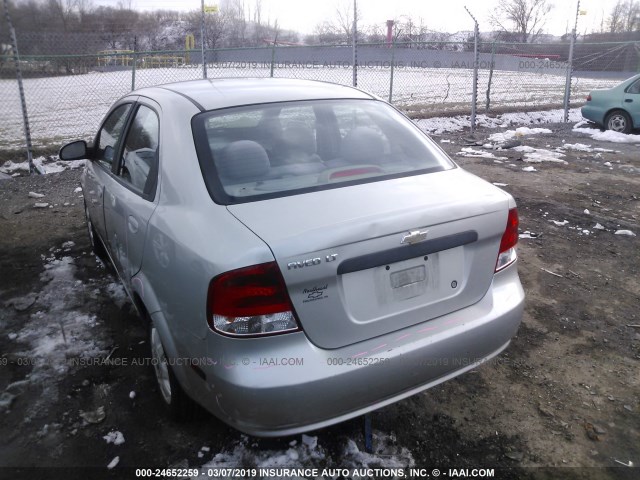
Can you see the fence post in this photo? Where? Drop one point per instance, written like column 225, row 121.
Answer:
column 273, row 58
column 23, row 101
column 567, row 85
column 204, row 61
column 133, row 68
column 474, row 94
column 493, row 53
column 393, row 54
column 273, row 53
column 355, row 43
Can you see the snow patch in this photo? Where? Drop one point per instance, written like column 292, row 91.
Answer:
column 58, row 333
column 68, row 245
column 538, row 155
column 580, row 147
column 42, row 164
column 114, row 437
column 608, row 135
column 440, row 125
column 307, row 453
column 116, row 291
column 474, row 153
column 503, row 137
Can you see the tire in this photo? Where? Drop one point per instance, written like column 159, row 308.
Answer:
column 178, row 404
column 618, row 121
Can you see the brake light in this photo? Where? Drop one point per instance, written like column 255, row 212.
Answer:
column 354, row 172
column 250, row 301
column 507, row 253
column 589, row 98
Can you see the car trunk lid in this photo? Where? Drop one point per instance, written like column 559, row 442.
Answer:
column 366, row 260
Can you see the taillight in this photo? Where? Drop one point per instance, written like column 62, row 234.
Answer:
column 250, row 301
column 507, row 254
column 589, row 98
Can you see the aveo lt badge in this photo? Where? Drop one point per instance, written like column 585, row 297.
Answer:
column 310, row 262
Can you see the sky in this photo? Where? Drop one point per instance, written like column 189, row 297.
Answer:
column 447, row 16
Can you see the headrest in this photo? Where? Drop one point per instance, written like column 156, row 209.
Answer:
column 301, row 137
column 362, row 145
column 243, row 160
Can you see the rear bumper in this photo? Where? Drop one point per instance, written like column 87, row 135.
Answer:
column 290, row 385
column 595, row 114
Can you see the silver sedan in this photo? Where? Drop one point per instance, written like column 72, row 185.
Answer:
column 302, row 252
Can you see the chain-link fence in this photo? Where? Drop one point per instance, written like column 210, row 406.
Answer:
column 66, row 95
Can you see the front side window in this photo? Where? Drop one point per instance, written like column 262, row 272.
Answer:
column 110, row 134
column 139, row 159
column 266, row 151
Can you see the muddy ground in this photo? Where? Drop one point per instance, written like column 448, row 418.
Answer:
column 563, row 401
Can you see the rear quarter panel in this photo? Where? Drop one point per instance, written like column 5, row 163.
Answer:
column 190, row 239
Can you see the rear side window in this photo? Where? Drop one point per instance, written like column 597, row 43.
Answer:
column 266, row 151
column 635, row 87
column 110, row 134
column 138, row 165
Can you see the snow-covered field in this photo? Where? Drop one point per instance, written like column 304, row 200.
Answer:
column 69, row 107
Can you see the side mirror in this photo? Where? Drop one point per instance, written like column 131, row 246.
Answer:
column 74, row 151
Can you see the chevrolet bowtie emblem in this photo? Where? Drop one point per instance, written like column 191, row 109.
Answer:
column 414, row 236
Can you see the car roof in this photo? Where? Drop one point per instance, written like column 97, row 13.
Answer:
column 217, row 93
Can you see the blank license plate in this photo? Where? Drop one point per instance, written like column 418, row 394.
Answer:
column 408, row 276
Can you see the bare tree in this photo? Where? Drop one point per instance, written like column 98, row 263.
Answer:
column 338, row 29
column 237, row 20
column 624, row 17
column 526, row 18
column 632, row 19
column 326, row 32
column 216, row 28
column 62, row 11
column 344, row 19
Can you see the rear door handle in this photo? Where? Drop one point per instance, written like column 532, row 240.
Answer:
column 628, row 100
column 133, row 224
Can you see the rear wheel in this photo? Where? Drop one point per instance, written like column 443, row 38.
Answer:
column 618, row 121
column 180, row 406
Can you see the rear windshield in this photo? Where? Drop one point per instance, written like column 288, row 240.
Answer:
column 273, row 150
